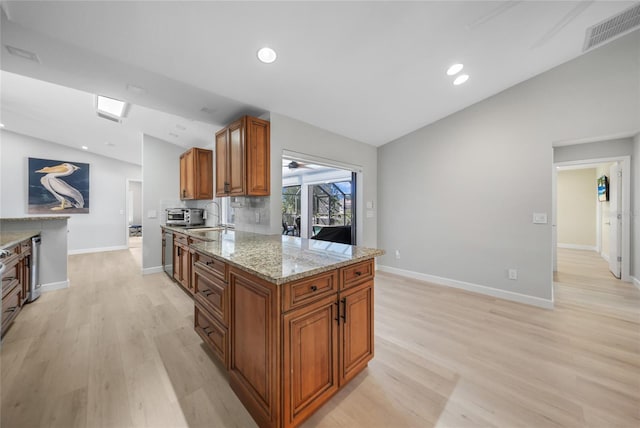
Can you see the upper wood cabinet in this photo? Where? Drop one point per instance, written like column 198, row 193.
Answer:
column 196, row 174
column 242, row 158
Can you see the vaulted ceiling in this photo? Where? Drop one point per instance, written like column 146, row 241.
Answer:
column 371, row 71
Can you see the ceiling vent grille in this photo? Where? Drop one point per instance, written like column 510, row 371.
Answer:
column 613, row 27
column 108, row 117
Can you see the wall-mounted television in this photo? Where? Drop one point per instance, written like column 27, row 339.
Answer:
column 603, row 188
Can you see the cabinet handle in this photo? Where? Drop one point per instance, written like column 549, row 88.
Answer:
column 184, row 192
column 207, row 294
column 344, row 309
column 358, row 273
column 205, row 329
column 314, row 288
column 337, row 318
column 9, row 278
column 209, row 263
column 226, row 187
column 179, row 253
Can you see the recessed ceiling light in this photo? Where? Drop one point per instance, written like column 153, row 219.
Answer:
column 267, row 55
column 85, row 148
column 461, row 79
column 111, row 106
column 454, row 69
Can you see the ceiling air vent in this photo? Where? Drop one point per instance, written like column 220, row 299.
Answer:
column 613, row 27
column 22, row 53
column 108, row 117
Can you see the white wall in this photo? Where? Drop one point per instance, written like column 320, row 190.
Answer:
column 135, row 187
column 105, row 227
column 296, row 136
column 577, row 198
column 160, row 190
column 457, row 196
column 635, row 206
column 597, row 150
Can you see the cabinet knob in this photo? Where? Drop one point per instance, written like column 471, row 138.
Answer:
column 314, row 288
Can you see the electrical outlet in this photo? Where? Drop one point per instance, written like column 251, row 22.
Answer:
column 397, row 254
column 513, row 274
column 257, row 217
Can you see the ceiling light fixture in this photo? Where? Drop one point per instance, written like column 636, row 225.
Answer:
column 461, row 79
column 85, row 148
column 111, row 106
column 1, row 125
column 454, row 69
column 267, row 55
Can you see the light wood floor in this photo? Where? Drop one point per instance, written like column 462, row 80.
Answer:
column 118, row 349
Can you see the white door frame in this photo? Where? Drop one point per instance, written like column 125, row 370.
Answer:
column 625, row 194
column 126, row 205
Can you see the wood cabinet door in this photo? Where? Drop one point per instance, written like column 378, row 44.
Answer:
column 204, row 174
column 254, row 370
column 236, row 164
column 258, row 157
column 356, row 337
column 310, row 360
column 221, row 162
column 177, row 266
column 187, row 175
column 25, row 279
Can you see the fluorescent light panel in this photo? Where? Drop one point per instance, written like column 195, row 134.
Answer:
column 111, row 106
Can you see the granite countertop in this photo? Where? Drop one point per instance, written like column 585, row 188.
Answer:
column 279, row 258
column 37, row 218
column 8, row 239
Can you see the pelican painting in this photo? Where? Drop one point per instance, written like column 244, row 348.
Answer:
column 63, row 187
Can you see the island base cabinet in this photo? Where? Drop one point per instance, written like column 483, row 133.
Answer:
column 254, row 372
column 357, row 330
column 310, row 359
column 213, row 333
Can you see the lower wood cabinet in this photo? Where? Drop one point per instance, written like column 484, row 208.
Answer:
column 16, row 281
column 182, row 261
column 288, row 348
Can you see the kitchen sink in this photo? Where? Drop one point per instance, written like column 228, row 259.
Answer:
column 204, row 229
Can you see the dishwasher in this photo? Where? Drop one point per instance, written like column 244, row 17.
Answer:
column 34, row 284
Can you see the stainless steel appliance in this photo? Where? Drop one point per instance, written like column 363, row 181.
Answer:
column 168, row 253
column 184, row 216
column 34, row 284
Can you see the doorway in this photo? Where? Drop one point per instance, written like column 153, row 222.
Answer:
column 608, row 186
column 319, row 200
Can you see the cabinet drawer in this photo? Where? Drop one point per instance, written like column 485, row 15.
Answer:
column 356, row 274
column 307, row 290
column 213, row 334
column 180, row 239
column 11, row 275
column 212, row 265
column 9, row 255
column 212, row 293
column 10, row 307
column 193, row 240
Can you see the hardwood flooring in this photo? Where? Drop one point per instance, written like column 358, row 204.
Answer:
column 118, row 349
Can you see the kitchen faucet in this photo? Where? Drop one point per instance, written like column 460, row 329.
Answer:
column 219, row 214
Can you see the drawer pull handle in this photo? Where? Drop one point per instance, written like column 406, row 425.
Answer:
column 344, row 309
column 314, row 288
column 207, row 293
column 206, row 330
column 337, row 318
column 358, row 273
column 209, row 263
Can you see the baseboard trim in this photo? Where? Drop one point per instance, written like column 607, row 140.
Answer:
column 97, row 250
column 605, row 256
column 152, row 270
column 635, row 281
column 52, row 286
column 475, row 288
column 579, row 247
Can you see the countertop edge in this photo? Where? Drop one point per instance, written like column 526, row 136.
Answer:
column 17, row 237
column 37, row 218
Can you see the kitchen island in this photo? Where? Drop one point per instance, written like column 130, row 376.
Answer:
column 291, row 319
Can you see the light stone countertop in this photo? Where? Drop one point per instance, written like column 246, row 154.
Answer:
column 7, row 239
column 37, row 218
column 278, row 258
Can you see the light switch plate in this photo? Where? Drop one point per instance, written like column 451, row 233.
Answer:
column 540, row 218
column 369, row 205
column 369, row 214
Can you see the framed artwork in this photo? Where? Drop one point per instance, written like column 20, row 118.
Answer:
column 603, row 188
column 58, row 187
